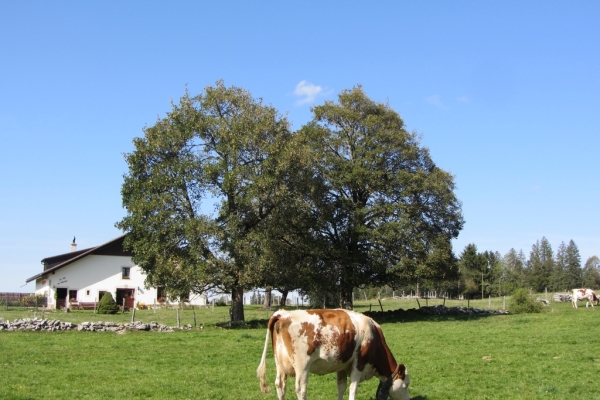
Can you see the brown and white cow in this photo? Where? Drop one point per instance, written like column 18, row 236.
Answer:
column 327, row 341
column 584, row 294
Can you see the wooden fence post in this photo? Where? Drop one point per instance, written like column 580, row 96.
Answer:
column 133, row 315
column 178, row 321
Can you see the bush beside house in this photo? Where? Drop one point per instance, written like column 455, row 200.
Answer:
column 107, row 305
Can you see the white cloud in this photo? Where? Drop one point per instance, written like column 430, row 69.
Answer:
column 307, row 92
column 435, row 100
column 463, row 99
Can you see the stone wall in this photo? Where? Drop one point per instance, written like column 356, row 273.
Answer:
column 51, row 325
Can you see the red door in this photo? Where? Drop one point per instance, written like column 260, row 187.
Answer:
column 127, row 296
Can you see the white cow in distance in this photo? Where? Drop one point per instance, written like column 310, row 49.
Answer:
column 331, row 341
column 584, row 294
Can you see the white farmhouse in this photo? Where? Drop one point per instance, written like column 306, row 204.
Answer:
column 82, row 276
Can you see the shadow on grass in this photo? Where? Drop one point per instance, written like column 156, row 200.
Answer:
column 431, row 314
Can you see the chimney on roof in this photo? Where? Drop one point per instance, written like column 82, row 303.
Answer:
column 73, row 245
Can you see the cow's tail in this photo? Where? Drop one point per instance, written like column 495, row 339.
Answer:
column 261, row 371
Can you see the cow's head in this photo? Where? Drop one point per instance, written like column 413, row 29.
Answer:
column 395, row 386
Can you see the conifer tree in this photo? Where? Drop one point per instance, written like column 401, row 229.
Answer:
column 573, row 272
column 107, row 304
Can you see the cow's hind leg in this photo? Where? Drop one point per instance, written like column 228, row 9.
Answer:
column 280, row 382
column 301, row 383
column 342, row 383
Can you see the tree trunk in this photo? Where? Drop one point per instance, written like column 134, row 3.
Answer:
column 268, row 298
column 283, row 299
column 237, row 303
column 346, row 297
column 347, row 288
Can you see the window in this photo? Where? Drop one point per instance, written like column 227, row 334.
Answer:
column 160, row 294
column 72, row 295
column 125, row 272
column 87, row 292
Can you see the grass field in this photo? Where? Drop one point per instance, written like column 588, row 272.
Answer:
column 553, row 355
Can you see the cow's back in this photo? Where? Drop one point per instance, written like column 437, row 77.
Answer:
column 325, row 340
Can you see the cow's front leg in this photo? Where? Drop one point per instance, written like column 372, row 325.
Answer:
column 354, row 381
column 342, row 383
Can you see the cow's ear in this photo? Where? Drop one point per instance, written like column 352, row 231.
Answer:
column 400, row 372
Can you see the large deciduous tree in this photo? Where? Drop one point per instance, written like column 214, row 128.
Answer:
column 201, row 186
column 382, row 211
column 591, row 273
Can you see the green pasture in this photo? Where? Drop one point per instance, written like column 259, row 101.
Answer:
column 553, row 355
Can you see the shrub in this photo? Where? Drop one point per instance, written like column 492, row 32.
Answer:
column 34, row 300
column 521, row 303
column 107, row 305
column 221, row 302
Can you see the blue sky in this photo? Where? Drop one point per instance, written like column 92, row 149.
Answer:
column 505, row 94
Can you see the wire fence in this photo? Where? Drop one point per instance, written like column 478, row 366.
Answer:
column 21, row 300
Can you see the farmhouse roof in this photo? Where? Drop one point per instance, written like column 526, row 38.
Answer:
column 54, row 263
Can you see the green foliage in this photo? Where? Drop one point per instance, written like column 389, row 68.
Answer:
column 107, row 305
column 513, row 275
column 573, row 270
column 521, row 302
column 223, row 149
column 540, row 265
column 567, row 273
column 591, row 273
column 382, row 211
column 473, row 271
column 221, row 301
column 34, row 300
column 351, row 199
